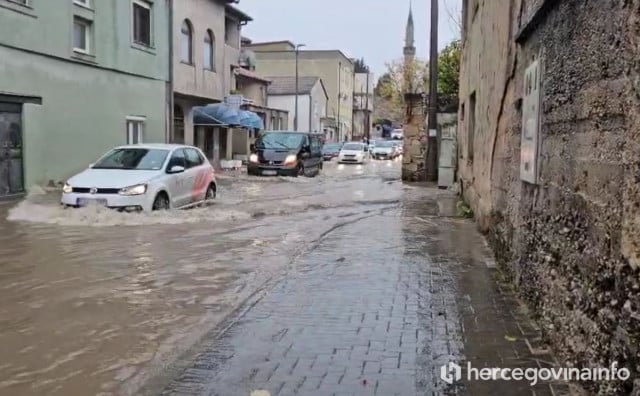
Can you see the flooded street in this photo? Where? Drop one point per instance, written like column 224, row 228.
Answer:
column 348, row 283
column 94, row 301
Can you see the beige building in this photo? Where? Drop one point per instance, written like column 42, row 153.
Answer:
column 332, row 66
column 206, row 43
column 363, row 104
column 206, row 53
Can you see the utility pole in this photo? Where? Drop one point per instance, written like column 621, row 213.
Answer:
column 339, row 124
column 367, row 125
column 295, row 119
column 431, row 161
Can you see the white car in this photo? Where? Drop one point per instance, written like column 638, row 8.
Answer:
column 385, row 150
column 144, row 177
column 397, row 134
column 354, row 153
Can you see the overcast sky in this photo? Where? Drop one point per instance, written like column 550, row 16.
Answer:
column 372, row 29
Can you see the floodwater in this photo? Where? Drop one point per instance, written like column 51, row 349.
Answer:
column 94, row 301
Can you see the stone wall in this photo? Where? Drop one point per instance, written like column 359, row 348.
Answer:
column 571, row 242
column 414, row 139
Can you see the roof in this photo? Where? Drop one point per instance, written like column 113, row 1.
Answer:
column 250, row 74
column 265, row 43
column 287, row 85
column 236, row 13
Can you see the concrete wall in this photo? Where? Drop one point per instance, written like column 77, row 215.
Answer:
column 324, row 64
column 85, row 97
column 287, row 102
column 570, row 242
column 318, row 109
column 75, row 125
column 253, row 90
column 193, row 79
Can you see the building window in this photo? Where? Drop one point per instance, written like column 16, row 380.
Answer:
column 209, row 51
column 81, row 35
column 186, row 36
column 142, row 22
column 135, row 130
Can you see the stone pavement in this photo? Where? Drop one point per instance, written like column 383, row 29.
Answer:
column 376, row 307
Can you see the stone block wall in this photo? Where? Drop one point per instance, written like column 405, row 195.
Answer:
column 572, row 242
column 415, row 139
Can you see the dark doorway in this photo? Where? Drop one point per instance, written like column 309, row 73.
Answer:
column 223, row 143
column 178, row 125
column 11, row 164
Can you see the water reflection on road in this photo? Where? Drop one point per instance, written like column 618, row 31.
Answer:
column 97, row 302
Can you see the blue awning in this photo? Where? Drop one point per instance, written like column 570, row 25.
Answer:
column 252, row 120
column 220, row 114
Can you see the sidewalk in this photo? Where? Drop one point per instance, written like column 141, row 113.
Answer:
column 376, row 308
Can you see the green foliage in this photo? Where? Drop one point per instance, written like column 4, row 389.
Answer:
column 359, row 66
column 449, row 70
column 464, row 210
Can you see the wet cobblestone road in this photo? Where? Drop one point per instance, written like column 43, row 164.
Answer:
column 348, row 284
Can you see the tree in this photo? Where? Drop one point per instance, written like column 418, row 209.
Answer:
column 395, row 83
column 359, row 66
column 449, row 71
column 400, row 79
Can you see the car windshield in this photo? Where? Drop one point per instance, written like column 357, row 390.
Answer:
column 385, row 144
column 280, row 141
column 353, row 146
column 133, row 159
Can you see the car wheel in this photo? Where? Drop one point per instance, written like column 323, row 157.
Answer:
column 301, row 171
column 161, row 202
column 211, row 192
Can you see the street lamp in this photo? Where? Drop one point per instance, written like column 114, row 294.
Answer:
column 295, row 119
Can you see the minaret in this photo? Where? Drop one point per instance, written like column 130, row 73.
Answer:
column 409, row 52
column 409, row 48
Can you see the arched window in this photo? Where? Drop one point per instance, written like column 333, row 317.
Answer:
column 187, row 42
column 209, row 51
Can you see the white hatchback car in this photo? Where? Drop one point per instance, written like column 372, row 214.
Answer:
column 354, row 153
column 144, row 177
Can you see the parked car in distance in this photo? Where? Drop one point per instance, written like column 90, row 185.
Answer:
column 385, row 150
column 144, row 177
column 397, row 134
column 331, row 150
column 399, row 147
column 353, row 153
column 372, row 145
column 286, row 153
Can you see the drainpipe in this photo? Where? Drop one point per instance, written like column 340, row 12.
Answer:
column 170, row 131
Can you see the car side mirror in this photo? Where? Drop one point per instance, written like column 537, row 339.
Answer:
column 306, row 149
column 252, row 148
column 176, row 169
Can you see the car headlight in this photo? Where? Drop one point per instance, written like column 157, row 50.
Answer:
column 67, row 189
column 134, row 190
column 253, row 158
column 291, row 159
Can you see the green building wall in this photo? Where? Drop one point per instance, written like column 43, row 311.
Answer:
column 85, row 100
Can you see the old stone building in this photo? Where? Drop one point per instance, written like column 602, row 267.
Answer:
column 549, row 161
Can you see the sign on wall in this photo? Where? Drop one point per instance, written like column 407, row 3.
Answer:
column 530, row 124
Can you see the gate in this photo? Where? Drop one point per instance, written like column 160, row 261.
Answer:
column 11, row 164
